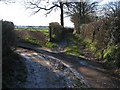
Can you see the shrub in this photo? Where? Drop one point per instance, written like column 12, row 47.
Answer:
column 89, row 44
column 8, row 37
column 109, row 53
column 56, row 31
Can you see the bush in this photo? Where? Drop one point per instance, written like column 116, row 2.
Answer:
column 89, row 44
column 109, row 53
column 56, row 31
column 8, row 37
column 13, row 69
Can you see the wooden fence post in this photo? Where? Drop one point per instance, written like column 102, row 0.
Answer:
column 50, row 33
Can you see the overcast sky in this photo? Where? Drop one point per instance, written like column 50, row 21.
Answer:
column 20, row 16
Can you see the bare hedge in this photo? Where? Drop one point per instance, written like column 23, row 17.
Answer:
column 58, row 32
column 8, row 36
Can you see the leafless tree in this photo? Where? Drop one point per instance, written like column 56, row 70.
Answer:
column 111, row 9
column 82, row 13
column 48, row 6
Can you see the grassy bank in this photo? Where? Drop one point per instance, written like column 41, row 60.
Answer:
column 40, row 38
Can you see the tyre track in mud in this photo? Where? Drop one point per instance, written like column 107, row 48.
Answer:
column 90, row 73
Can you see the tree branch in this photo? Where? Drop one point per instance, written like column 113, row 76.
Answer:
column 44, row 8
column 35, row 5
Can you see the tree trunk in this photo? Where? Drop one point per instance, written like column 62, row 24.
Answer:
column 50, row 34
column 61, row 15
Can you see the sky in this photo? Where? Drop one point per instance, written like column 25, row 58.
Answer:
column 18, row 14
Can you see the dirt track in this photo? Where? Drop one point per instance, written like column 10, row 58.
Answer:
column 93, row 74
column 45, row 71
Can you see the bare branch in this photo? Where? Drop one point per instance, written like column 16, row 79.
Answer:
column 44, row 8
column 38, row 5
column 48, row 12
column 31, row 5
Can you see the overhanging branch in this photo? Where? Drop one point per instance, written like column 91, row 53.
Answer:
column 32, row 5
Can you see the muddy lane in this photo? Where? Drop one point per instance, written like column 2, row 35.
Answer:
column 48, row 72
column 90, row 73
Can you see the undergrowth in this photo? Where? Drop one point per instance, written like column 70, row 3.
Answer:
column 106, row 55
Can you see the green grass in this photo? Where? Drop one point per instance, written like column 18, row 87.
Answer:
column 106, row 54
column 37, row 42
column 91, row 45
column 45, row 32
column 73, row 45
column 109, row 56
column 50, row 45
column 73, row 49
column 110, row 51
column 32, row 29
column 32, row 41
